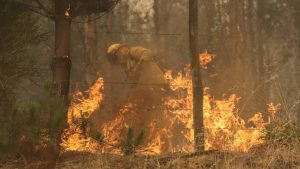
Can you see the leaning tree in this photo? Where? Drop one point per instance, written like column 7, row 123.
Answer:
column 62, row 12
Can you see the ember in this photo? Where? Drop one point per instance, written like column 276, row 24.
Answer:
column 205, row 58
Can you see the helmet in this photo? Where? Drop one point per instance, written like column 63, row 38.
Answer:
column 113, row 48
column 111, row 52
column 117, row 53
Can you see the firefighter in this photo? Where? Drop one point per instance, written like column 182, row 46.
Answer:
column 146, row 84
column 140, row 98
column 138, row 63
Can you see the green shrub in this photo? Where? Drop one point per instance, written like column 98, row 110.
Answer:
column 39, row 123
column 130, row 145
column 98, row 137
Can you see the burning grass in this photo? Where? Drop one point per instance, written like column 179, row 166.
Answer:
column 225, row 130
column 230, row 143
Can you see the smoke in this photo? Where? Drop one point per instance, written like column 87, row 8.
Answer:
column 143, row 8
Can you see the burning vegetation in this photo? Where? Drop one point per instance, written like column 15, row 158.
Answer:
column 205, row 58
column 171, row 132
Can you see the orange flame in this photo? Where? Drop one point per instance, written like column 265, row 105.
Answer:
column 173, row 132
column 81, row 107
column 205, row 58
column 224, row 129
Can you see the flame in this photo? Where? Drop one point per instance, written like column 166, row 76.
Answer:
column 205, row 58
column 81, row 107
column 173, row 131
column 272, row 109
column 224, row 128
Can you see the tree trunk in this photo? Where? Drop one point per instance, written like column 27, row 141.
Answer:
column 61, row 62
column 156, row 16
column 196, row 77
column 264, row 84
column 297, row 63
column 90, row 51
column 258, row 43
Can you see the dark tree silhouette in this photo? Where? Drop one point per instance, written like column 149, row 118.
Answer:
column 196, row 76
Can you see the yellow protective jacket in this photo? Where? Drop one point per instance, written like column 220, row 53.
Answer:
column 136, row 56
column 141, row 68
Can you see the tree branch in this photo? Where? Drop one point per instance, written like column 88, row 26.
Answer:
column 38, row 12
column 82, row 7
column 42, row 7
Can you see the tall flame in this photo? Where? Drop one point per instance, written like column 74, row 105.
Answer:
column 173, row 132
column 81, row 107
column 224, row 128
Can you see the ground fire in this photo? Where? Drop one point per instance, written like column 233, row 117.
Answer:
column 225, row 130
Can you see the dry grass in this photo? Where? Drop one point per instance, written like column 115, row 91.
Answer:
column 271, row 156
column 266, row 156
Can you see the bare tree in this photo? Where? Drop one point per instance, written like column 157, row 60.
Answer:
column 196, row 76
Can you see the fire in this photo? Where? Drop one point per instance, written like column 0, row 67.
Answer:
column 224, row 129
column 272, row 109
column 81, row 107
column 173, row 132
column 205, row 58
